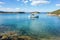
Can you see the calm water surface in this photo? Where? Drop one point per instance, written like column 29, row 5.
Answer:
column 39, row 26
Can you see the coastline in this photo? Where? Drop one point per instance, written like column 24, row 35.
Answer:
column 53, row 15
column 10, row 12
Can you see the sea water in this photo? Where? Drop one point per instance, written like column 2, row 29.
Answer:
column 23, row 24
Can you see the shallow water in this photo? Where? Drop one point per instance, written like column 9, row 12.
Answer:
column 22, row 23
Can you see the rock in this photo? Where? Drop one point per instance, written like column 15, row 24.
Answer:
column 59, row 15
column 7, row 39
column 0, row 36
column 24, row 38
column 20, row 39
column 4, row 37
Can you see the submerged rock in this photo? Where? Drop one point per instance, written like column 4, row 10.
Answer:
column 21, row 39
column 24, row 38
column 0, row 36
column 4, row 37
column 7, row 39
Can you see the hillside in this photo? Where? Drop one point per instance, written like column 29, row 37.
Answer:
column 57, row 12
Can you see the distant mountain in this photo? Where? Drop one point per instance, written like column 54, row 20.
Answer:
column 10, row 12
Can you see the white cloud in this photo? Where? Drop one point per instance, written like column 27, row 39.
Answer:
column 2, row 2
column 18, row 0
column 17, row 9
column 25, row 1
column 57, row 4
column 38, row 2
column 10, row 9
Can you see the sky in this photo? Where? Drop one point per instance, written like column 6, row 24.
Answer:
column 29, row 5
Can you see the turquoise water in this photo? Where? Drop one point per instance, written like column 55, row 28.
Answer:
column 22, row 23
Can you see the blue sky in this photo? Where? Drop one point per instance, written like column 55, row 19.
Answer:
column 29, row 5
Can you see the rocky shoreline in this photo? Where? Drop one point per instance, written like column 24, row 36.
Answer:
column 14, row 36
column 55, row 13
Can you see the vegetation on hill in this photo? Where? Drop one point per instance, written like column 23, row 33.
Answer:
column 57, row 12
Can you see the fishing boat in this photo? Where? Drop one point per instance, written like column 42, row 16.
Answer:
column 34, row 15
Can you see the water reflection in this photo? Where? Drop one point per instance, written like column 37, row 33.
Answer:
column 45, row 27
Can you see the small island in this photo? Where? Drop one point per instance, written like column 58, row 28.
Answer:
column 4, row 12
column 55, row 13
column 35, row 12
